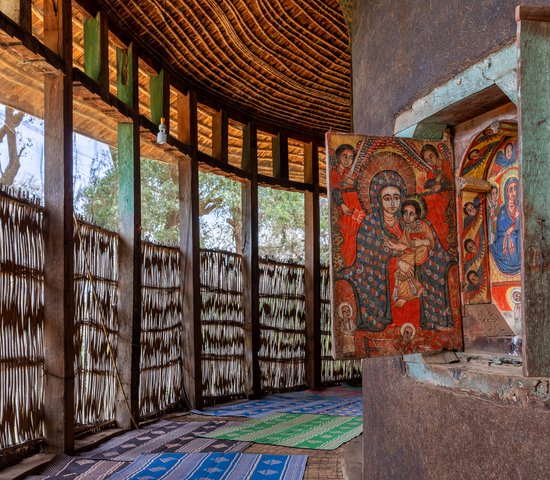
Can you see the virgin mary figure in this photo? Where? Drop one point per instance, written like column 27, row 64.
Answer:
column 372, row 275
column 505, row 248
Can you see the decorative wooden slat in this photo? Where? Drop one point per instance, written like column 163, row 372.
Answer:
column 92, row 47
column 127, row 75
column 159, row 101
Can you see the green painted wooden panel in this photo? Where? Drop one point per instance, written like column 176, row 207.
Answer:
column 125, row 75
column 157, row 97
column 534, row 128
column 92, row 51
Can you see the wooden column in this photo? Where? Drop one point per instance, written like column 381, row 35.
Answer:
column 58, row 235
column 129, row 252
column 188, row 173
column 280, row 156
column 251, row 301
column 313, row 268
column 58, row 265
column 220, row 146
column 534, row 144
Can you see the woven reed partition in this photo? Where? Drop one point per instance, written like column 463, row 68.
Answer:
column 332, row 370
column 222, row 324
column 21, row 319
column 161, row 381
column 282, row 325
column 96, row 323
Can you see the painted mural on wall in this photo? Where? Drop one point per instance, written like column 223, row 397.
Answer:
column 493, row 156
column 393, row 246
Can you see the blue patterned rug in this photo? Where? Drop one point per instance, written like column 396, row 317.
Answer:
column 71, row 468
column 165, row 436
column 214, row 466
column 339, row 406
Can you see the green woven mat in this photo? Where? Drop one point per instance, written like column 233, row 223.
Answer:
column 320, row 432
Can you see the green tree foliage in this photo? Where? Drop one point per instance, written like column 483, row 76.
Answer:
column 281, row 213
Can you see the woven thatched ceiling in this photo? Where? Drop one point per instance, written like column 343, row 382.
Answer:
column 283, row 60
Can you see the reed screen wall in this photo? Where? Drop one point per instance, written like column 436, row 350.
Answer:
column 332, row 370
column 223, row 361
column 161, row 381
column 282, row 325
column 21, row 320
column 96, row 324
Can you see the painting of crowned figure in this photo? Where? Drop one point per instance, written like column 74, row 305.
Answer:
column 394, row 246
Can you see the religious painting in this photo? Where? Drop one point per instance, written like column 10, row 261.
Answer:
column 475, row 261
column 493, row 156
column 395, row 284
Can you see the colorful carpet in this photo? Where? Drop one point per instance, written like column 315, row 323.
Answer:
column 214, row 466
column 165, row 436
column 338, row 391
column 70, row 468
column 320, row 432
column 341, row 406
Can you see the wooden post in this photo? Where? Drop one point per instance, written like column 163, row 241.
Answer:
column 25, row 15
column 129, row 251
column 313, row 268
column 92, row 47
column 251, row 301
column 104, row 54
column 188, row 174
column 58, row 265
column 280, row 156
column 534, row 145
column 220, row 146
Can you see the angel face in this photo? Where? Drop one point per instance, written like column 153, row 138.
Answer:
column 470, row 246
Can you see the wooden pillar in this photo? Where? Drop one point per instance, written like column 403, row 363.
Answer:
column 220, row 146
column 58, row 265
column 25, row 15
column 188, row 174
column 313, row 268
column 58, row 235
column 534, row 144
column 280, row 156
column 251, row 301
column 129, row 252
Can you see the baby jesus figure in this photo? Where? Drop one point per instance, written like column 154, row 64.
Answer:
column 414, row 247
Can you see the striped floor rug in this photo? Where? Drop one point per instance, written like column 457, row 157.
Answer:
column 165, row 436
column 71, row 468
column 321, row 432
column 345, row 406
column 214, row 466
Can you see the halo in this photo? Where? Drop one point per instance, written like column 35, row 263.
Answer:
column 384, row 160
column 421, row 203
column 511, row 292
column 405, row 325
column 341, row 307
